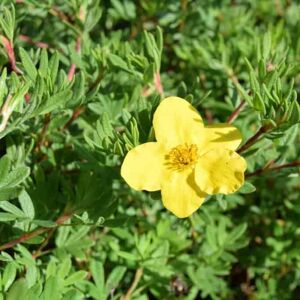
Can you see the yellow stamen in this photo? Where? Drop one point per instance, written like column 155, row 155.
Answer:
column 182, row 156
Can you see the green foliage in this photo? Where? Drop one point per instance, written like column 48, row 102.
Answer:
column 79, row 83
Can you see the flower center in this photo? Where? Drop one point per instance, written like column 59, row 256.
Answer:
column 182, row 156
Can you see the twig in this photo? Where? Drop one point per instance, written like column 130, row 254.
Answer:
column 43, row 133
column 236, row 112
column 75, row 115
column 80, row 109
column 157, row 83
column 8, row 45
column 156, row 86
column 12, row 59
column 137, row 277
column 61, row 15
column 208, row 116
column 73, row 65
column 27, row 39
column 37, row 232
column 296, row 163
column 44, row 244
column 254, row 138
column 233, row 78
column 23, row 238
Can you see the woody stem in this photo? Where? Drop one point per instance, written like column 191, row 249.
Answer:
column 254, row 138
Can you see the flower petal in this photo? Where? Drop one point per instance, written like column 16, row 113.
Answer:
column 220, row 171
column 176, row 122
column 219, row 135
column 180, row 193
column 143, row 166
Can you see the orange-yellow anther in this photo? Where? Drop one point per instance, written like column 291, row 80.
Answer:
column 182, row 156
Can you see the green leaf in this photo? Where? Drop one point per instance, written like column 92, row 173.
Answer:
column 26, row 204
column 53, row 288
column 15, row 177
column 247, row 188
column 53, row 66
column 18, row 290
column 64, row 267
column 35, row 240
column 9, row 193
column 6, row 217
column 115, row 277
column 127, row 255
column 237, row 232
column 222, row 202
column 7, row 206
column 3, row 87
column 75, row 277
column 7, row 22
column 294, row 112
column 266, row 45
column 9, row 275
column 159, row 38
column 54, row 102
column 28, row 64
column 258, row 103
column 211, row 237
column 118, row 62
column 5, row 163
column 98, row 274
column 43, row 68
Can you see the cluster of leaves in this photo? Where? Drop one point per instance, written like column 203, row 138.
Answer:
column 79, row 82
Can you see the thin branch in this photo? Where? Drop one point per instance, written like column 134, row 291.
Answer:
column 233, row 78
column 254, row 138
column 23, row 238
column 8, row 45
column 236, row 112
column 157, row 83
column 209, row 116
column 44, row 244
column 61, row 15
column 43, row 133
column 76, row 113
column 269, row 168
column 27, row 39
column 137, row 278
column 37, row 232
column 12, row 60
column 72, row 69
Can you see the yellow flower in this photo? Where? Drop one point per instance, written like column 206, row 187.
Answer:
column 188, row 161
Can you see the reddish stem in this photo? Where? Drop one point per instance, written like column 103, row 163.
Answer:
column 27, row 39
column 43, row 133
column 10, row 53
column 37, row 232
column 209, row 116
column 157, row 83
column 12, row 59
column 75, row 115
column 254, row 138
column 296, row 163
column 72, row 69
column 236, row 112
